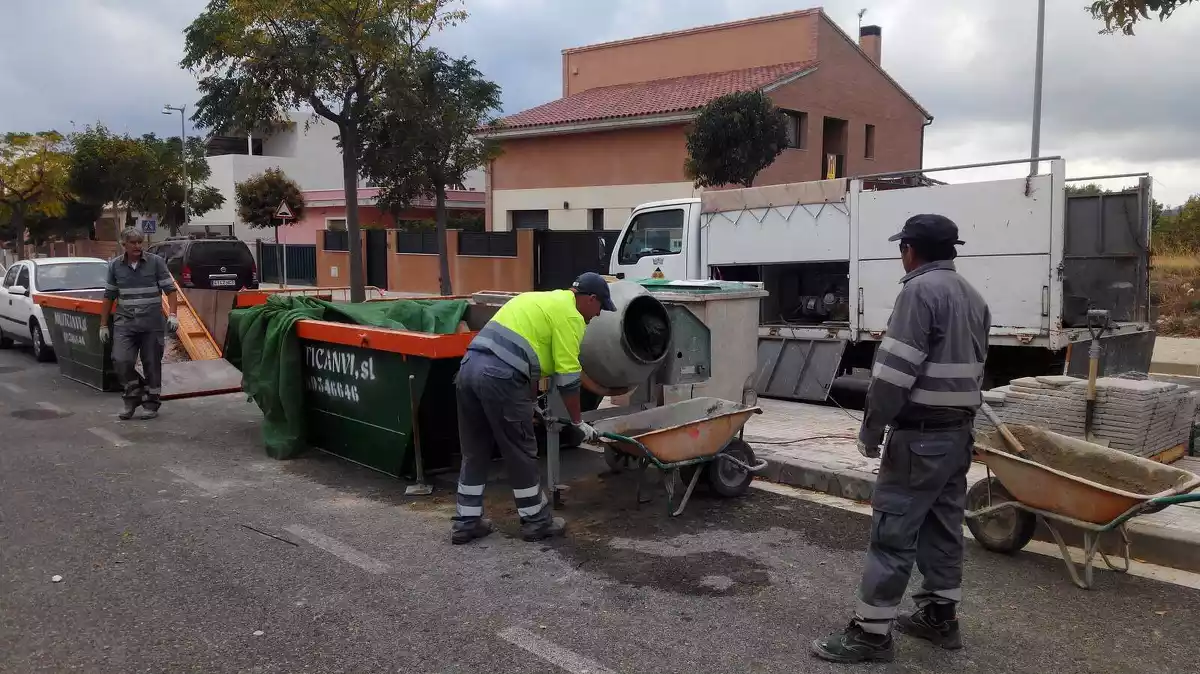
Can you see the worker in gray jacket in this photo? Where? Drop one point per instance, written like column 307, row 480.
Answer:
column 136, row 283
column 925, row 386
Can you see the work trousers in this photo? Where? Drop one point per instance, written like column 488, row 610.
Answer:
column 918, row 505
column 130, row 344
column 495, row 410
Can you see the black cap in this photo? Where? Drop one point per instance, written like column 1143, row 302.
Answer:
column 591, row 283
column 929, row 227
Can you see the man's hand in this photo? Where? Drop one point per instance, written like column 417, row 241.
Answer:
column 105, row 334
column 869, row 451
column 589, row 434
column 172, row 323
column 869, row 441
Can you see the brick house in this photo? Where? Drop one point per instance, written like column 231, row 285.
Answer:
column 616, row 138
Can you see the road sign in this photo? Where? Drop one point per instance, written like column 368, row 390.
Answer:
column 284, row 212
column 149, row 226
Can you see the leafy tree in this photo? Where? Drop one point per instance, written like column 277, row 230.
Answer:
column 109, row 170
column 34, row 171
column 1179, row 232
column 259, row 59
column 424, row 135
column 161, row 190
column 258, row 198
column 1123, row 15
column 76, row 222
column 733, row 139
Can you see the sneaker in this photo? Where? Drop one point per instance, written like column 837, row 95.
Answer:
column 127, row 413
column 538, row 531
column 148, row 415
column 934, row 623
column 853, row 645
column 470, row 531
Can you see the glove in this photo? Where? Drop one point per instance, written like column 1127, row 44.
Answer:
column 869, row 451
column 172, row 323
column 105, row 334
column 589, row 434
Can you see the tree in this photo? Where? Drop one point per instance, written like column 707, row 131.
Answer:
column 109, row 170
column 76, row 222
column 1123, row 15
column 733, row 139
column 162, row 189
column 258, row 198
column 425, row 135
column 259, row 59
column 34, row 171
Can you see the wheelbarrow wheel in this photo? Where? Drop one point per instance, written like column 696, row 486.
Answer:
column 726, row 478
column 617, row 462
column 1005, row 531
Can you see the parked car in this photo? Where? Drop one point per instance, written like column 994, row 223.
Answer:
column 219, row 264
column 21, row 320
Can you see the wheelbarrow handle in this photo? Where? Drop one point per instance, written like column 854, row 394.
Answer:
column 1176, row 499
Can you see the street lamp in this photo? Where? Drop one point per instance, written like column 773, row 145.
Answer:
column 170, row 110
column 1035, row 146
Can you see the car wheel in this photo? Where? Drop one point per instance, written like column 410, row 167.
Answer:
column 6, row 342
column 41, row 351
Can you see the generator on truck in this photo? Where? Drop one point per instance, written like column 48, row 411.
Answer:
column 1041, row 256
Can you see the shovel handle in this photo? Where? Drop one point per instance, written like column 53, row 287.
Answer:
column 1009, row 439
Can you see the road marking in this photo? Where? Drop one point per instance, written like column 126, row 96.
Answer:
column 13, row 388
column 1162, row 574
column 552, row 653
column 52, row 407
column 339, row 549
column 109, row 436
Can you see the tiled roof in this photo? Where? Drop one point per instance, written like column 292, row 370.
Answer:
column 656, row 97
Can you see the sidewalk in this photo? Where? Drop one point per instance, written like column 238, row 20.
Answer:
column 796, row 439
column 1177, row 356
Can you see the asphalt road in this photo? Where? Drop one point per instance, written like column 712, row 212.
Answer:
column 183, row 548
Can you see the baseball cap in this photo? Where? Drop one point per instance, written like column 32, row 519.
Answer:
column 929, row 227
column 591, row 283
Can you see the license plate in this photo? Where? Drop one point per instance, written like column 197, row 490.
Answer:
column 224, row 282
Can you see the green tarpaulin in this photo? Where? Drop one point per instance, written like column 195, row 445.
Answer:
column 262, row 343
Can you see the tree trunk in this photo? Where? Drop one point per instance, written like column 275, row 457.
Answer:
column 443, row 254
column 350, row 180
column 18, row 226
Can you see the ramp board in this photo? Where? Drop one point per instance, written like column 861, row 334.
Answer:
column 199, row 378
column 797, row 369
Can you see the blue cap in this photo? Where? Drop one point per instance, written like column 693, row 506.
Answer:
column 591, row 283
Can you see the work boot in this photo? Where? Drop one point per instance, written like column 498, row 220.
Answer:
column 130, row 407
column 150, row 413
column 469, row 531
column 853, row 645
column 543, row 529
column 935, row 623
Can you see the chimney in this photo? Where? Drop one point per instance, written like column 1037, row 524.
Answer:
column 870, row 40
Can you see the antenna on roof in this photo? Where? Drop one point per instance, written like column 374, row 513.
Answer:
column 861, row 12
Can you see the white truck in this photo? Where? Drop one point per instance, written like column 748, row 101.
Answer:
column 1041, row 256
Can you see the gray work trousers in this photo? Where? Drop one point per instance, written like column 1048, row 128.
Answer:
column 495, row 410
column 130, row 344
column 918, row 506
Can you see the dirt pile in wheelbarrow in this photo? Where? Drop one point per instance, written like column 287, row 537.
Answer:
column 1087, row 461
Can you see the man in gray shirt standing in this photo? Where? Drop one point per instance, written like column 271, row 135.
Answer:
column 136, row 282
column 925, row 386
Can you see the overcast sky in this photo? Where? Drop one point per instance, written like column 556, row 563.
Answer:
column 1111, row 103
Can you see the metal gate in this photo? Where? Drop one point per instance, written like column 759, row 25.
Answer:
column 301, row 263
column 561, row 256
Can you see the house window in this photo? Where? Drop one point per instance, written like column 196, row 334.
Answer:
column 335, row 224
column 596, row 219
column 529, row 219
column 797, row 129
column 869, row 145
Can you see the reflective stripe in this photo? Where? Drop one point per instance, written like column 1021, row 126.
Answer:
column 867, row 612
column 502, row 353
column 946, row 398
column 875, row 626
column 898, row 348
column 140, row 301
column 167, row 283
column 154, row 391
column 565, row 380
column 528, row 492
column 954, row 594
column 953, row 370
column 109, row 286
column 532, row 510
column 470, row 489
column 141, row 291
column 469, row 511
column 893, row 376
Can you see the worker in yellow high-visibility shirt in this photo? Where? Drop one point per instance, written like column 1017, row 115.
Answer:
column 534, row 335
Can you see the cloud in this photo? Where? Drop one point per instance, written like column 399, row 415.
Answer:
column 1111, row 103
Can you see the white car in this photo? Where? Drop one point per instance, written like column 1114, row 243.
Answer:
column 21, row 320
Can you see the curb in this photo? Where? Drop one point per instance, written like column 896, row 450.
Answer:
column 1178, row 369
column 1171, row 548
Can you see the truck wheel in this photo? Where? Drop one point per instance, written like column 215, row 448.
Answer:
column 726, row 478
column 1005, row 531
column 41, row 351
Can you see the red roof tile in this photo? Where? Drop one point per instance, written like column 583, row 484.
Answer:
column 656, row 97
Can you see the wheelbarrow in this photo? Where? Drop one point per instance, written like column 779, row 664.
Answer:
column 687, row 439
column 1063, row 480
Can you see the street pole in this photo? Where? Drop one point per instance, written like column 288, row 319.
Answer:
column 168, row 110
column 1035, row 146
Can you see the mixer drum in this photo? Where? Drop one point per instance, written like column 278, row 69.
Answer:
column 622, row 348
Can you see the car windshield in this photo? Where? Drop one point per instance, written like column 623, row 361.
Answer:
column 71, row 276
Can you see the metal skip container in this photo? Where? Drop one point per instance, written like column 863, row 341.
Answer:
column 622, row 348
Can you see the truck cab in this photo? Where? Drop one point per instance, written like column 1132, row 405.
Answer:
column 660, row 240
